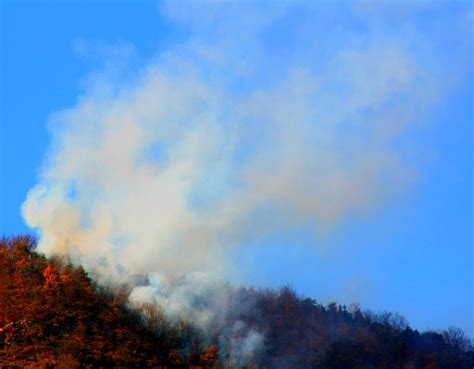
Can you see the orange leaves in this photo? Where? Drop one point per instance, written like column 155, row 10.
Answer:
column 209, row 356
column 51, row 278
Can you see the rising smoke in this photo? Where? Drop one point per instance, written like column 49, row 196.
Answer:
column 240, row 131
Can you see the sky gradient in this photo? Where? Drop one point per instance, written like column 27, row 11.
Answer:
column 409, row 249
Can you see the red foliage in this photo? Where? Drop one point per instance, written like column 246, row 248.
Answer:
column 51, row 315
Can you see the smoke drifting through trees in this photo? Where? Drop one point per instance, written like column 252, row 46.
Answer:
column 53, row 316
column 154, row 179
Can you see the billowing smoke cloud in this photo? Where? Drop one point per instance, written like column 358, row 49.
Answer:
column 267, row 118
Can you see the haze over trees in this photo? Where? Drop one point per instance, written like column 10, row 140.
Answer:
column 53, row 315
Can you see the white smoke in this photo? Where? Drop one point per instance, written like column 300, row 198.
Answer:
column 220, row 140
column 168, row 174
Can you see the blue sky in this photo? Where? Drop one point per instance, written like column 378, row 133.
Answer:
column 409, row 251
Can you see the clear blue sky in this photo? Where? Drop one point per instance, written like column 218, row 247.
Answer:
column 414, row 255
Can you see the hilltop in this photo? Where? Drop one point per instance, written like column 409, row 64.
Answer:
column 53, row 315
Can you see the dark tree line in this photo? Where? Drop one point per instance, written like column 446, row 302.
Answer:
column 300, row 333
column 52, row 315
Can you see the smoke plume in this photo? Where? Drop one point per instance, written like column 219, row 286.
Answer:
column 240, row 131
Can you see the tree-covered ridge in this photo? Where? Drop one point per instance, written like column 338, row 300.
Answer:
column 53, row 315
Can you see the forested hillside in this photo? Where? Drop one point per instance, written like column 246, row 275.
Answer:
column 52, row 315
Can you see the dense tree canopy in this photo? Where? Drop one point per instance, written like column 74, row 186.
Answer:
column 52, row 315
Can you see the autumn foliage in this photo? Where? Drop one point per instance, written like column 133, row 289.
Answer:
column 52, row 315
